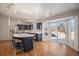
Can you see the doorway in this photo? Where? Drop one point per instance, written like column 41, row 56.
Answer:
column 53, row 32
column 58, row 31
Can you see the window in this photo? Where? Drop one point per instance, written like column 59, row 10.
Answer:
column 71, row 28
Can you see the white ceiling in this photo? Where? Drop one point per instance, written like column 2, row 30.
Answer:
column 31, row 12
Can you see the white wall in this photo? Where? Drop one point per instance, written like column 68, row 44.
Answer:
column 34, row 26
column 43, row 31
column 76, row 33
column 13, row 22
column 45, row 25
column 4, row 27
column 72, row 43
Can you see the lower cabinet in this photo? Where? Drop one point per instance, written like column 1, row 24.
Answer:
column 27, row 44
column 38, row 37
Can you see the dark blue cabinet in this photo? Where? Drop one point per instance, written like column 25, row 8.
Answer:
column 24, row 27
column 27, row 44
column 39, row 26
column 38, row 37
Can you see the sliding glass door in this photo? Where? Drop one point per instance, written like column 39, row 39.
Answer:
column 71, row 28
column 54, row 32
column 57, row 32
column 61, row 31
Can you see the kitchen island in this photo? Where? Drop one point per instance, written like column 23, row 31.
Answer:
column 38, row 34
column 26, row 40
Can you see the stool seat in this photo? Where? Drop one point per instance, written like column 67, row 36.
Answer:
column 18, row 40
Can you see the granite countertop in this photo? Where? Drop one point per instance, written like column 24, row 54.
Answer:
column 23, row 35
column 31, row 31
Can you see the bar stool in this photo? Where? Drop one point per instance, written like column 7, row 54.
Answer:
column 17, row 45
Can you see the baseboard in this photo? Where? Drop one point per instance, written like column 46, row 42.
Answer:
column 72, row 48
column 4, row 40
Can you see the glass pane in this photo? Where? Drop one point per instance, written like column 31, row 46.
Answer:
column 71, row 28
column 54, row 32
column 61, row 32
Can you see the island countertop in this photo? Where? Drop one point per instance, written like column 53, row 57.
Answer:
column 31, row 31
column 23, row 35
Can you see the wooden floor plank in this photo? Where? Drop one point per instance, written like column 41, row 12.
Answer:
column 40, row 49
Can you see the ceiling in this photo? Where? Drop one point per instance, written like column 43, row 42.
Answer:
column 31, row 12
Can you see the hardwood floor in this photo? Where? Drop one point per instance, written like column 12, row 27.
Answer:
column 40, row 49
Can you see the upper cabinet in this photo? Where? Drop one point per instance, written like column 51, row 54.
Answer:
column 24, row 27
column 39, row 26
